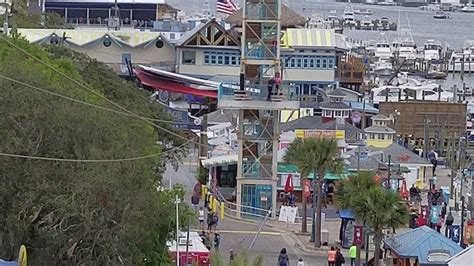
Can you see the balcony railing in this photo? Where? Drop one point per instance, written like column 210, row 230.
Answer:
column 256, row 170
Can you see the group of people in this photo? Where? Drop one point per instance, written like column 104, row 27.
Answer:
column 335, row 257
column 283, row 259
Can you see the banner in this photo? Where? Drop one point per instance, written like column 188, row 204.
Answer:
column 332, row 134
column 454, row 234
column 306, row 188
column 358, row 234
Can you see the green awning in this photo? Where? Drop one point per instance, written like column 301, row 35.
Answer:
column 291, row 168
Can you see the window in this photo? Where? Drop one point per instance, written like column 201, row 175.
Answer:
column 189, row 57
column 107, row 41
column 318, row 63
column 299, row 62
column 305, row 62
column 327, row 113
column 207, row 59
column 338, row 113
column 220, row 59
column 172, row 36
column 311, row 63
column 324, row 64
column 227, row 59
column 293, row 62
column 159, row 44
column 213, row 59
column 233, row 60
column 331, row 63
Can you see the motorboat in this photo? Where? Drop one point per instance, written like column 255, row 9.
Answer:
column 469, row 8
column 383, row 68
column 332, row 12
column 432, row 50
column 431, row 7
column 395, row 45
column 366, row 12
column 348, row 17
column 366, row 23
column 464, row 60
column 441, row 15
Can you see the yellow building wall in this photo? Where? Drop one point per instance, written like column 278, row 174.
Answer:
column 287, row 115
column 379, row 143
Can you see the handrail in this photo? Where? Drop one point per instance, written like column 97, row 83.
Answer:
column 228, row 203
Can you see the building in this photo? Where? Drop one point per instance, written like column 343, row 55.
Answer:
column 421, row 246
column 208, row 51
column 113, row 48
column 335, row 108
column 379, row 134
column 97, row 11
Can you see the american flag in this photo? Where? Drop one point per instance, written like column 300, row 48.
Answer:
column 226, row 6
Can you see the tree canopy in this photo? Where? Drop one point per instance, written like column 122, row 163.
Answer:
column 79, row 213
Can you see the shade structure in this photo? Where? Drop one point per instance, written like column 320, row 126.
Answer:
column 289, row 184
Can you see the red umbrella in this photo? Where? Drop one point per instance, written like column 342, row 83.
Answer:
column 289, row 184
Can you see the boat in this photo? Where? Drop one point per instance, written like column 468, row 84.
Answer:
column 441, row 15
column 382, row 48
column 366, row 23
column 431, row 7
column 464, row 60
column 432, row 50
column 469, row 8
column 332, row 12
column 407, row 50
column 366, row 12
column 348, row 16
column 383, row 68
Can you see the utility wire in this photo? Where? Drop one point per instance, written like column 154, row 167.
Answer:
column 82, row 102
column 90, row 160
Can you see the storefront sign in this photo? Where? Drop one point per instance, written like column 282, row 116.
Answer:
column 333, row 134
column 358, row 234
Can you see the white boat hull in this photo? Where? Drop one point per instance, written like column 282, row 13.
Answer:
column 468, row 67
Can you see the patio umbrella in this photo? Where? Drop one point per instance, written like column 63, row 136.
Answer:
column 289, row 184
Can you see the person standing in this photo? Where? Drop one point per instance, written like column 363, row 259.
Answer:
column 283, row 258
column 201, row 218
column 339, row 258
column 215, row 221
column 231, row 255
column 353, row 254
column 301, row 262
column 331, row 257
column 217, row 241
column 209, row 220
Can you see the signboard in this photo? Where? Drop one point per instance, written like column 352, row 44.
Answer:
column 438, row 255
column 181, row 119
column 306, row 188
column 468, row 233
column 454, row 234
column 358, row 234
column 348, row 236
column 288, row 214
column 334, row 134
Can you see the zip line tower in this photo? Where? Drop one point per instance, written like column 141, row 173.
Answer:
column 259, row 115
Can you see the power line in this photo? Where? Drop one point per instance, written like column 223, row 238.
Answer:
column 82, row 102
column 90, row 160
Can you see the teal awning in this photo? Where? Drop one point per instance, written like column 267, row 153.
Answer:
column 291, row 168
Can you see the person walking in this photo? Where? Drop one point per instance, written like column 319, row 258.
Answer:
column 231, row 255
column 339, row 258
column 217, row 241
column 300, row 262
column 201, row 218
column 283, row 258
column 332, row 257
column 209, row 220
column 215, row 221
column 353, row 254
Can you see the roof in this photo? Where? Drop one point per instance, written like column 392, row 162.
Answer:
column 417, row 243
column 190, row 34
column 464, row 257
column 336, row 92
column 381, row 117
column 295, row 38
column 315, row 122
column 220, row 160
column 401, row 155
column 337, row 105
column 83, row 37
column 289, row 18
column 358, row 106
column 379, row 129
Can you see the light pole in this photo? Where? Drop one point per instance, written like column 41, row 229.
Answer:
column 177, row 201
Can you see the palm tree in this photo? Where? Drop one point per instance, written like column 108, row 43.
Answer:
column 375, row 206
column 319, row 156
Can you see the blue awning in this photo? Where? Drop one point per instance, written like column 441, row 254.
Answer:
column 346, row 214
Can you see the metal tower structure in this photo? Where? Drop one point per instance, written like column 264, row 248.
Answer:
column 259, row 115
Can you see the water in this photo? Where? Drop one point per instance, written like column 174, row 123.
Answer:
column 453, row 32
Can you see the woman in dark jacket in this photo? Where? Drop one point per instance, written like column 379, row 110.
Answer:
column 339, row 258
column 283, row 258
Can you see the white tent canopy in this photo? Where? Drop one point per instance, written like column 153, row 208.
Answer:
column 463, row 258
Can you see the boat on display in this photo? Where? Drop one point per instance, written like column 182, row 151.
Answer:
column 432, row 50
column 366, row 23
column 464, row 60
column 382, row 50
column 441, row 15
column 469, row 8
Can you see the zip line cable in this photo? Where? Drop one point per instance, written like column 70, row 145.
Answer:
column 82, row 102
column 91, row 160
column 94, row 92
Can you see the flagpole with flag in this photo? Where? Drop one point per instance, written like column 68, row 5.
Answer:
column 226, row 7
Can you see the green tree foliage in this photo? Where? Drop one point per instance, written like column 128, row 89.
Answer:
column 317, row 155
column 80, row 213
column 372, row 204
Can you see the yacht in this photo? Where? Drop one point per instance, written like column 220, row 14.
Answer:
column 407, row 50
column 366, row 12
column 366, row 23
column 383, row 68
column 332, row 12
column 382, row 50
column 348, row 16
column 469, row 8
column 431, row 7
column 395, row 45
column 432, row 50
column 464, row 60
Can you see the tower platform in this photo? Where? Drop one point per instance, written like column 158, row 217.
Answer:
column 255, row 98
